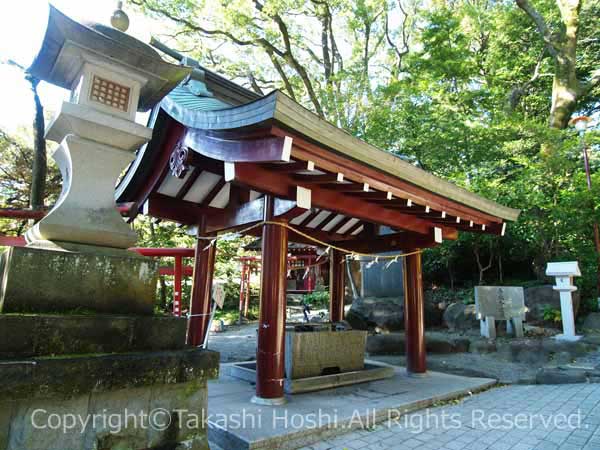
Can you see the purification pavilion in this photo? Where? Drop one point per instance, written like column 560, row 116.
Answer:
column 223, row 158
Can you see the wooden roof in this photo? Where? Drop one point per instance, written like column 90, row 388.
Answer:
column 209, row 158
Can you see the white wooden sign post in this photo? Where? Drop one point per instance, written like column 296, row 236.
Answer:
column 564, row 273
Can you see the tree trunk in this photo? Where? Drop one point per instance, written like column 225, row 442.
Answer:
column 39, row 167
column 565, row 86
column 480, row 266
column 562, row 46
column 450, row 274
column 500, row 270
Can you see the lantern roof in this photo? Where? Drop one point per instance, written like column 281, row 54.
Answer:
column 68, row 44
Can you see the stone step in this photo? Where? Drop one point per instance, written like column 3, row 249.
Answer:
column 26, row 335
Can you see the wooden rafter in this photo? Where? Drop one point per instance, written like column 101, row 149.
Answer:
column 327, row 220
column 377, row 180
column 255, row 177
column 188, row 183
column 213, row 192
column 341, row 224
column 353, row 228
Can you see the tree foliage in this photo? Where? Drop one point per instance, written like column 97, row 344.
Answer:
column 16, row 178
column 470, row 90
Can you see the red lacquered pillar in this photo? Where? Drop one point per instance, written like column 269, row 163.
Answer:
column 247, row 292
column 204, row 264
column 242, row 292
column 270, row 356
column 414, row 315
column 337, row 277
column 177, row 272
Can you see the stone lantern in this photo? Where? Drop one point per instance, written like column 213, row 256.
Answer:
column 87, row 341
column 79, row 248
column 564, row 273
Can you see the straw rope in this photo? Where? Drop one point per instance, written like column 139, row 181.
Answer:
column 393, row 257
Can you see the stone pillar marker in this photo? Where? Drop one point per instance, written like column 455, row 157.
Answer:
column 76, row 257
column 500, row 303
column 564, row 273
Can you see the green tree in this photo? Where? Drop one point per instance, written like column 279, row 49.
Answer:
column 459, row 88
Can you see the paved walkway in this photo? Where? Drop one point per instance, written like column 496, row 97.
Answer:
column 542, row 417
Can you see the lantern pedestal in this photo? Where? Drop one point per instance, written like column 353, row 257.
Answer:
column 72, row 278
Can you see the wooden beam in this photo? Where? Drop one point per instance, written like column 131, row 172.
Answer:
column 160, row 168
column 292, row 167
column 256, row 177
column 323, row 236
column 170, row 208
column 251, row 212
column 417, row 210
column 238, row 195
column 320, row 178
column 345, row 187
column 380, row 197
column 182, row 158
column 391, row 242
column 266, row 149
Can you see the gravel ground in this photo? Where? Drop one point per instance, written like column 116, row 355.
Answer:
column 238, row 343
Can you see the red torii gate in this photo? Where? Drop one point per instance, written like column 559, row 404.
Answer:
column 306, row 262
column 178, row 270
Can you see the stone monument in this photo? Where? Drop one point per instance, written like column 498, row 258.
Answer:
column 85, row 341
column 564, row 273
column 500, row 303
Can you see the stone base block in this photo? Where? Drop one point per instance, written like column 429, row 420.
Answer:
column 567, row 337
column 110, row 402
column 26, row 335
column 71, row 278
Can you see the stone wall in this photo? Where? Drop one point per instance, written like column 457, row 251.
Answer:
column 152, row 394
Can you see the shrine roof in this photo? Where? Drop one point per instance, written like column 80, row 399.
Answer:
column 218, row 147
column 278, row 107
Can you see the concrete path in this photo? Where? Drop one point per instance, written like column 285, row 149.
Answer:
column 542, row 417
column 237, row 424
